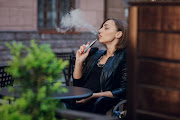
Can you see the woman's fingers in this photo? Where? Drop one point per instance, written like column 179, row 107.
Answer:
column 79, row 51
column 82, row 48
column 80, row 101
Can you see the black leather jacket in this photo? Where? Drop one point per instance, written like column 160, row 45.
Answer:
column 113, row 76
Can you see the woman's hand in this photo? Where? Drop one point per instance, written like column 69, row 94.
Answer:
column 82, row 101
column 96, row 95
column 80, row 56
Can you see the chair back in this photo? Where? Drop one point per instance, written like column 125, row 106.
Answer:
column 120, row 110
column 5, row 78
column 68, row 70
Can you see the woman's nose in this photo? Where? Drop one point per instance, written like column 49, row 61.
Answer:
column 100, row 30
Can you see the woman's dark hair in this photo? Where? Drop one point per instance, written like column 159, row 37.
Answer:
column 121, row 26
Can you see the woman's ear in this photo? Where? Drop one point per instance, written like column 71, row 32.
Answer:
column 118, row 34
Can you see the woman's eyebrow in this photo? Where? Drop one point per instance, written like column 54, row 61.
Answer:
column 107, row 25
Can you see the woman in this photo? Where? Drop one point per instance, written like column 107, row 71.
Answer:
column 105, row 71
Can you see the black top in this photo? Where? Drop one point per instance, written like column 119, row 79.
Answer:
column 93, row 80
column 113, row 76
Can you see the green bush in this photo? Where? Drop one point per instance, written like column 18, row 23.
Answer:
column 33, row 68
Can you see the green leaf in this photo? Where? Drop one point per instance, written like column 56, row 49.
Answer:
column 34, row 68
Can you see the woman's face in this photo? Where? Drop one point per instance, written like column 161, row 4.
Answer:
column 108, row 32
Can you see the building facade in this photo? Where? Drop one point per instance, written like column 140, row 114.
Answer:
column 23, row 20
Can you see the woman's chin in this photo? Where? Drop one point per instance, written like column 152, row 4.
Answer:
column 100, row 40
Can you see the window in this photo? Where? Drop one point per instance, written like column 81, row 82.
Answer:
column 126, row 9
column 50, row 13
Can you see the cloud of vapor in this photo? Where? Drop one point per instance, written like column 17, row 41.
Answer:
column 75, row 20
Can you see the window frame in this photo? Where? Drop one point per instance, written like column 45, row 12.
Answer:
column 53, row 30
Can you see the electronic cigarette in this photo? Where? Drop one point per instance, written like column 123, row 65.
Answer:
column 89, row 45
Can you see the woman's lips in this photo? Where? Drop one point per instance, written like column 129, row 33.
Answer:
column 99, row 36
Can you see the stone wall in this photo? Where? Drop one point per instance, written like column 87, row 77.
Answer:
column 115, row 9
column 93, row 11
column 58, row 42
column 18, row 15
column 21, row 15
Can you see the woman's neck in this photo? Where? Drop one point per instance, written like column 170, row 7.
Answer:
column 110, row 52
column 111, row 48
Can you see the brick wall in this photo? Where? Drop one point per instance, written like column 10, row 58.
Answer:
column 115, row 9
column 18, row 15
column 21, row 15
column 93, row 11
column 58, row 42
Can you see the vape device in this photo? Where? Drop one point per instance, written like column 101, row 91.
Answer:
column 89, row 45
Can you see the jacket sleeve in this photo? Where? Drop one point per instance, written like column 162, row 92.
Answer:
column 122, row 91
column 80, row 82
column 77, row 82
